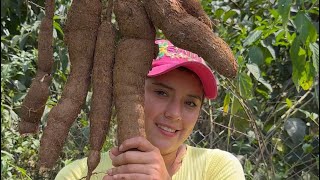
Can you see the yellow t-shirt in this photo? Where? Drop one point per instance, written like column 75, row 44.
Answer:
column 197, row 164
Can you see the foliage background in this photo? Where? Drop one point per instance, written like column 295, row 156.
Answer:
column 267, row 115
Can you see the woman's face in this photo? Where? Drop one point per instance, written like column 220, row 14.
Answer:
column 172, row 106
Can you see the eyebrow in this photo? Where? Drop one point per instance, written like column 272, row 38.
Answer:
column 171, row 88
column 163, row 85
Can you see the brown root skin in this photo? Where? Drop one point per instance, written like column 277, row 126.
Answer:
column 187, row 32
column 82, row 24
column 45, row 55
column 133, row 20
column 134, row 55
column 133, row 60
column 34, row 103
column 101, row 106
column 93, row 159
column 194, row 8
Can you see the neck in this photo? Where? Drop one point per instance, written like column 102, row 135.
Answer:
column 173, row 159
column 169, row 159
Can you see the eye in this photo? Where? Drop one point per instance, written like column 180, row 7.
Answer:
column 191, row 104
column 161, row 93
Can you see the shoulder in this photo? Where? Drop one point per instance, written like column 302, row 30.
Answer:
column 219, row 164
column 213, row 154
column 75, row 170
column 78, row 169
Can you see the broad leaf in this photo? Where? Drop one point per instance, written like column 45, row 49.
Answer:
column 252, row 37
column 229, row 14
column 235, row 106
column 267, row 43
column 306, row 78
column 226, row 103
column 306, row 29
column 245, row 85
column 255, row 71
column 298, row 61
column 284, row 10
column 256, row 55
column 314, row 47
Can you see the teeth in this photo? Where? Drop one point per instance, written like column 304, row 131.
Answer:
column 167, row 129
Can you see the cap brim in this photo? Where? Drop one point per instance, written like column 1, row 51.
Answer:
column 205, row 75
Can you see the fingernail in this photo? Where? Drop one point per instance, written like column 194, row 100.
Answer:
column 121, row 147
column 109, row 172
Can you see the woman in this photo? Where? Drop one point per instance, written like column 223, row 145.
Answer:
column 174, row 91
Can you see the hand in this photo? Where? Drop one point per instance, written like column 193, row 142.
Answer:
column 144, row 163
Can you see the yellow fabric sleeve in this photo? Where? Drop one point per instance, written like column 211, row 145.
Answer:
column 197, row 164
column 209, row 164
column 78, row 169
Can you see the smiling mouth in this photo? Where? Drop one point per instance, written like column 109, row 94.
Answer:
column 167, row 129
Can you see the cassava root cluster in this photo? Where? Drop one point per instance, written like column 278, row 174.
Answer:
column 116, row 70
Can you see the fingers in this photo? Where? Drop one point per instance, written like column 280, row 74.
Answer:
column 129, row 169
column 133, row 176
column 115, row 151
column 139, row 143
column 132, row 157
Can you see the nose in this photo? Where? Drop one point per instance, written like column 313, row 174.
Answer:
column 173, row 110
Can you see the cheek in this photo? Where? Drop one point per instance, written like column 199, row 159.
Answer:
column 152, row 108
column 190, row 120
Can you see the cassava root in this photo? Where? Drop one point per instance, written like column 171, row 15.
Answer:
column 82, row 24
column 134, row 55
column 102, row 85
column 187, row 32
column 34, row 103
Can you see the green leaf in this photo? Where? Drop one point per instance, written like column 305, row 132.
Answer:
column 219, row 12
column 267, row 43
column 312, row 116
column 256, row 55
column 255, row 71
column 284, row 10
column 298, row 62
column 245, row 85
column 229, row 14
column 314, row 47
column 278, row 143
column 58, row 27
column 316, row 91
column 252, row 37
column 307, row 148
column 289, row 102
column 226, row 103
column 264, row 93
column 306, row 78
column 280, row 38
column 274, row 13
column 235, row 106
column 305, row 28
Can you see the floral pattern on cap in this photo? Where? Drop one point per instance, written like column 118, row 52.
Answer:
column 166, row 48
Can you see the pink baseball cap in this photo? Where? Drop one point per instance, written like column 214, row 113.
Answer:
column 171, row 57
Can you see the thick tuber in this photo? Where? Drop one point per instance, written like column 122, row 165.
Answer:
column 134, row 55
column 34, row 103
column 102, row 86
column 187, row 32
column 83, row 21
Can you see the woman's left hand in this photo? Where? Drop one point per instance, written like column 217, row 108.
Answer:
column 144, row 163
